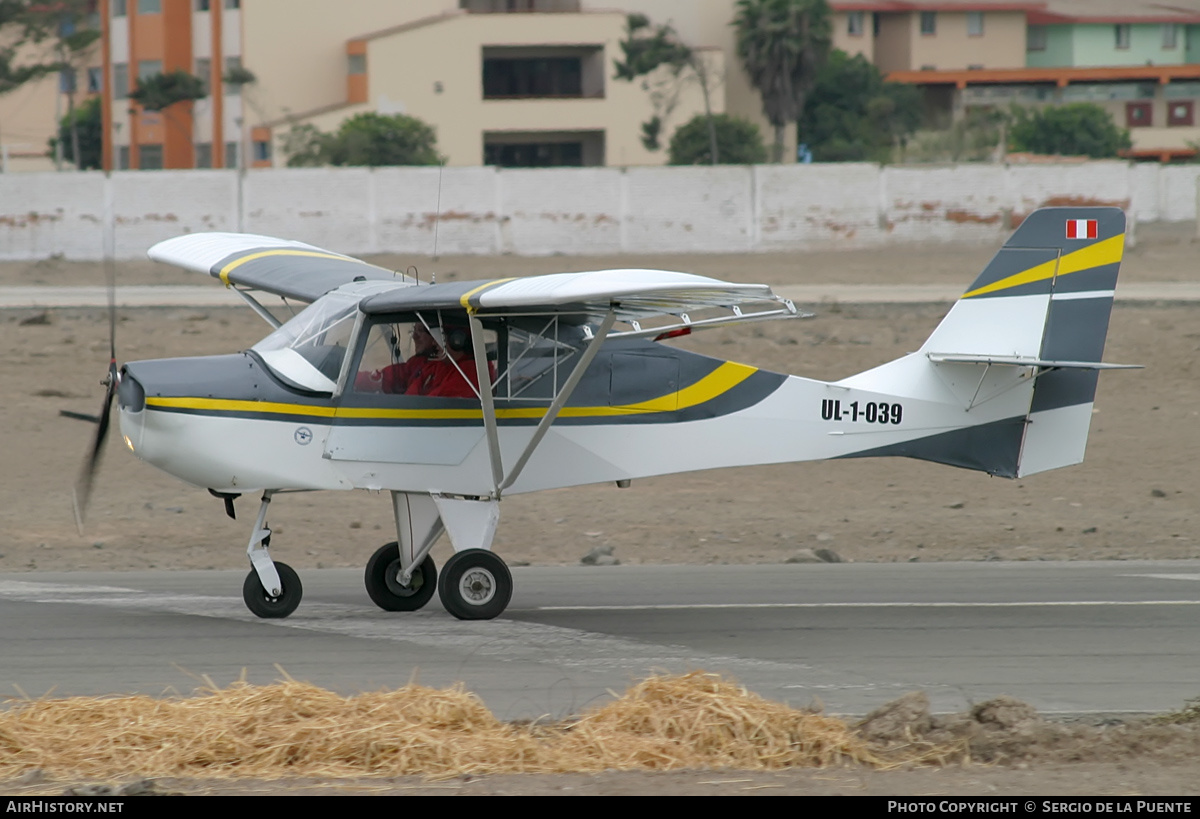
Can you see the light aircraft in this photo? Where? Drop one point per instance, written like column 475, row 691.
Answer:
column 579, row 388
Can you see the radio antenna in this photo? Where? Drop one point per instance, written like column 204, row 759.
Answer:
column 437, row 221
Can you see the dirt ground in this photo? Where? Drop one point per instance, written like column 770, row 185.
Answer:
column 1134, row 497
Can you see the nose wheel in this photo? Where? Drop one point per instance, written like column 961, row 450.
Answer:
column 382, row 580
column 277, row 602
column 475, row 585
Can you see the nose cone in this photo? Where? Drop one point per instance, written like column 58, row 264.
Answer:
column 131, row 406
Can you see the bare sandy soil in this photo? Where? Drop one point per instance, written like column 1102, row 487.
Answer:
column 1133, row 498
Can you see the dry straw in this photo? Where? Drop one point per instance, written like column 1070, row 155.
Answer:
column 293, row 729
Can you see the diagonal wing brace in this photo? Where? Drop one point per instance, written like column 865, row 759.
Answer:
column 500, row 480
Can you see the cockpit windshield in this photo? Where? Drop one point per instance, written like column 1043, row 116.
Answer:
column 307, row 352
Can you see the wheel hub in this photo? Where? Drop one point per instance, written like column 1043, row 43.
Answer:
column 478, row 586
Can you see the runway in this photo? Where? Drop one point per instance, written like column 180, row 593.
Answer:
column 1068, row 638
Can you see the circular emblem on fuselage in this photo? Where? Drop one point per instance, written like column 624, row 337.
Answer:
column 303, row 436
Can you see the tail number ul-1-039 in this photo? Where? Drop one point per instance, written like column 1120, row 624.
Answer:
column 870, row 411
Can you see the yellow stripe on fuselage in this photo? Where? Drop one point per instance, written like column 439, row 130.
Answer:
column 1108, row 251
column 716, row 383
column 236, row 263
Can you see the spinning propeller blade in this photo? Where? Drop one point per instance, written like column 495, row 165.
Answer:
column 91, row 463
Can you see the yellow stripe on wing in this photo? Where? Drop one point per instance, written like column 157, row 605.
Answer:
column 713, row 385
column 236, row 263
column 1095, row 255
column 465, row 301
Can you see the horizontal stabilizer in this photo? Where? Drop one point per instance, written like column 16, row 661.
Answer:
column 1025, row 361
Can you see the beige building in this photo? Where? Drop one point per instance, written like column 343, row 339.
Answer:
column 511, row 83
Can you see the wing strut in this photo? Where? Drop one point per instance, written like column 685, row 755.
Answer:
column 563, row 396
column 484, row 377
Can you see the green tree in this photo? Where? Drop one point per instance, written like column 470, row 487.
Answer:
column 648, row 48
column 162, row 92
column 739, row 142
column 23, row 22
column 852, row 114
column 68, row 26
column 158, row 92
column 80, row 134
column 375, row 139
column 1076, row 129
column 306, row 146
column 782, row 44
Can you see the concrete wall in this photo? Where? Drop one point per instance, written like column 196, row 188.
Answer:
column 730, row 209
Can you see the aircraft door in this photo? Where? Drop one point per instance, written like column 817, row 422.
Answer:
column 410, row 396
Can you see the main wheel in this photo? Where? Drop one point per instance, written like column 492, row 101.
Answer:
column 475, row 585
column 382, row 580
column 260, row 602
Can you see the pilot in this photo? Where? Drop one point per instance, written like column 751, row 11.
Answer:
column 399, row 379
column 452, row 374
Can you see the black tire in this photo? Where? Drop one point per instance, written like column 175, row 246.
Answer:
column 384, row 588
column 475, row 585
column 262, row 604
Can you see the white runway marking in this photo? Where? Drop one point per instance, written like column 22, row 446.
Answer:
column 1192, row 577
column 895, row 605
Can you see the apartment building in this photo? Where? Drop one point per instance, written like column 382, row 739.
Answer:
column 1138, row 60
column 530, row 82
column 511, row 82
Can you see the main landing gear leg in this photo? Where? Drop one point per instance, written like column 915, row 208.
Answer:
column 401, row 575
column 475, row 584
column 271, row 589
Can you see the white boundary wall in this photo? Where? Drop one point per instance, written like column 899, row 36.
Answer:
column 572, row 211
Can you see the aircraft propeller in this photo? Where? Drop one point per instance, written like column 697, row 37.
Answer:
column 91, row 462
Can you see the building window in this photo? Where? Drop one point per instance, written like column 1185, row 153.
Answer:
column 118, row 8
column 95, row 80
column 534, row 154
column 929, row 22
column 1121, row 32
column 150, row 157
column 1181, row 112
column 149, row 6
column 231, row 154
column 262, row 150
column 854, row 23
column 148, row 68
column 66, row 81
column 233, row 4
column 1139, row 114
column 202, row 5
column 123, row 158
column 232, row 66
column 357, row 63
column 203, row 154
column 204, row 72
column 537, row 77
column 974, row 23
column 120, row 80
column 1035, row 38
column 1170, row 32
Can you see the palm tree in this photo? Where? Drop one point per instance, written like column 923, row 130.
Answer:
column 782, row 43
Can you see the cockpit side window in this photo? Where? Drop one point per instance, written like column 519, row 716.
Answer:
column 428, row 354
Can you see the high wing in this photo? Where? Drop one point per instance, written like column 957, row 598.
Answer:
column 293, row 270
column 631, row 295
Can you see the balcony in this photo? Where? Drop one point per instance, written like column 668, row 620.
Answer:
column 540, row 73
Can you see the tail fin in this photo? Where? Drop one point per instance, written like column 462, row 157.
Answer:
column 1028, row 335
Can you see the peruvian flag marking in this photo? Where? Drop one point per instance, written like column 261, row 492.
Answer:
column 1081, row 228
